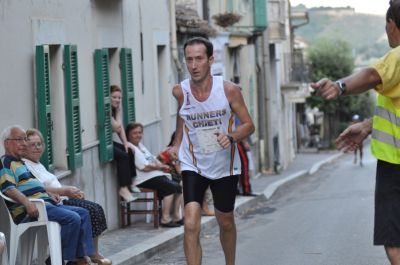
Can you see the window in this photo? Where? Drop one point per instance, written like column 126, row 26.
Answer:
column 103, row 105
column 106, row 70
column 74, row 139
column 57, row 81
column 45, row 121
column 128, row 90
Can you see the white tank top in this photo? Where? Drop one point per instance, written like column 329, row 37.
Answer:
column 199, row 150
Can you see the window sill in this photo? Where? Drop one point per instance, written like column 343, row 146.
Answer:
column 61, row 173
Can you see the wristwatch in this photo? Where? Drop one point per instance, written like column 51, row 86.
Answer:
column 230, row 139
column 342, row 86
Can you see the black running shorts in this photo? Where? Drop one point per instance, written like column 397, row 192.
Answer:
column 387, row 205
column 223, row 190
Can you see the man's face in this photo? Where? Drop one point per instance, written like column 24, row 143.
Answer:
column 15, row 144
column 392, row 33
column 197, row 62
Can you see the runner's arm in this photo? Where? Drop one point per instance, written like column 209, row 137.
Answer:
column 238, row 106
column 178, row 94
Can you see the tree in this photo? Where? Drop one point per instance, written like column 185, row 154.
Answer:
column 333, row 59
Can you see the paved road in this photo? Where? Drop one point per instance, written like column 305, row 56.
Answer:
column 323, row 219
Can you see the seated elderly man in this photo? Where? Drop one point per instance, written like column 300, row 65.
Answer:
column 19, row 184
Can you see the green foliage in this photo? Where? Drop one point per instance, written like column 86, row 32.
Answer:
column 361, row 31
column 331, row 59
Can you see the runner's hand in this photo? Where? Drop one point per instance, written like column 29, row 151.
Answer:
column 223, row 140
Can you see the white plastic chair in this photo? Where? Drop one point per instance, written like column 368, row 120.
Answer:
column 24, row 235
column 3, row 250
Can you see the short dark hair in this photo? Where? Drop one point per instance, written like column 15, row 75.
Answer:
column 393, row 12
column 114, row 88
column 131, row 126
column 200, row 40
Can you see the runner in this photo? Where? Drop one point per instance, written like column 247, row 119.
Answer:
column 205, row 143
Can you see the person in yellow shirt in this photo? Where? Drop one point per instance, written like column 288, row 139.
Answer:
column 384, row 77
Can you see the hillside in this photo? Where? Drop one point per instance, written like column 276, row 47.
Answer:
column 365, row 33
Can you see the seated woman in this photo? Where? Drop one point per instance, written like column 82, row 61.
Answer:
column 75, row 195
column 153, row 174
column 175, row 172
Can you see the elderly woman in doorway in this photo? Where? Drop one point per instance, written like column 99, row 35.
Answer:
column 153, row 174
column 75, row 195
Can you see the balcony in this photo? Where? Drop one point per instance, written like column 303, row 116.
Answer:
column 296, row 76
column 253, row 14
column 277, row 18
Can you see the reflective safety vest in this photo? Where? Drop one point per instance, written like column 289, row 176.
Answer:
column 385, row 143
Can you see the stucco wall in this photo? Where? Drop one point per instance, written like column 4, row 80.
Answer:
column 90, row 25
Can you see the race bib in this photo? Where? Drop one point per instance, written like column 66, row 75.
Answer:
column 207, row 139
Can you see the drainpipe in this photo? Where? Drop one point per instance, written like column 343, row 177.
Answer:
column 262, row 113
column 174, row 42
column 266, row 62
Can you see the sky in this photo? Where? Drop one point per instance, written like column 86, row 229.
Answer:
column 377, row 7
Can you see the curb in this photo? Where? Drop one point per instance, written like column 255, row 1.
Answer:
column 327, row 160
column 150, row 247
column 165, row 240
column 273, row 187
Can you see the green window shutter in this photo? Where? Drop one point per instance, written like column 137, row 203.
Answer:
column 128, row 97
column 260, row 14
column 43, row 97
column 74, row 139
column 103, row 105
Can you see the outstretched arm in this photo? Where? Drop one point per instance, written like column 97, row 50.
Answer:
column 356, row 83
column 354, row 135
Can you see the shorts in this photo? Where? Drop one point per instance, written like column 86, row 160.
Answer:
column 223, row 190
column 163, row 185
column 387, row 205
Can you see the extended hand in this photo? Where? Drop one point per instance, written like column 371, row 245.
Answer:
column 353, row 136
column 326, row 88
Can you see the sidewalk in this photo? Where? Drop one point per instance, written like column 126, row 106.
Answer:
column 140, row 241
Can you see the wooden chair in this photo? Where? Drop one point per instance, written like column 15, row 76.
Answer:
column 127, row 209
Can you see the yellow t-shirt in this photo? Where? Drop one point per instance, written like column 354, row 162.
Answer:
column 388, row 68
